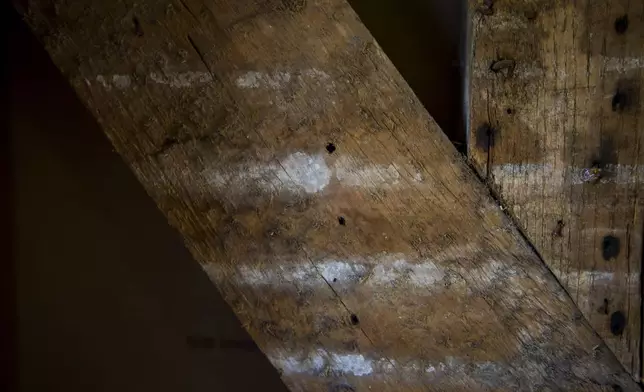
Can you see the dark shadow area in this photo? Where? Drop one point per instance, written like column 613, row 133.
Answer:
column 108, row 298
column 425, row 40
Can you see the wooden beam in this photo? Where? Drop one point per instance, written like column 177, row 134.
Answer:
column 350, row 238
column 556, row 129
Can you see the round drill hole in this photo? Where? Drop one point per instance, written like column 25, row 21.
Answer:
column 330, row 148
column 621, row 24
column 342, row 221
column 354, row 319
column 617, row 323
column 335, row 280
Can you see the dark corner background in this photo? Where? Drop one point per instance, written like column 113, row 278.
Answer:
column 97, row 291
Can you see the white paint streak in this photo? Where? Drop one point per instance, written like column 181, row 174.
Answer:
column 587, row 279
column 181, row 79
column 121, row 81
column 351, row 173
column 298, row 172
column 385, row 270
column 321, row 363
column 253, row 79
column 424, row 274
column 622, row 64
column 279, row 79
column 309, row 173
column 533, row 173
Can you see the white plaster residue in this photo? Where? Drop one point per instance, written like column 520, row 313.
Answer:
column 102, row 81
column 253, row 79
column 331, row 364
column 340, row 271
column 121, row 82
column 298, row 172
column 181, row 79
column 371, row 176
column 528, row 173
column 423, row 274
column 385, row 270
column 301, row 274
column 355, row 364
column 306, row 171
column 349, row 173
column 585, row 280
column 320, row 361
column 317, row 74
column 278, row 80
column 622, row 64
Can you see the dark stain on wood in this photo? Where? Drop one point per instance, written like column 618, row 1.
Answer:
column 610, row 247
column 138, row 30
column 627, row 95
column 621, row 24
column 604, row 308
column 485, row 137
column 558, row 230
column 507, row 65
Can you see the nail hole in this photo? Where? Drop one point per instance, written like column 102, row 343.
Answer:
column 617, row 323
column 509, row 111
column 342, row 221
column 354, row 319
column 330, row 148
column 137, row 27
column 610, row 247
column 621, row 24
column 335, row 280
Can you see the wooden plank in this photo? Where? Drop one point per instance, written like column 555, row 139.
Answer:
column 557, row 86
column 348, row 235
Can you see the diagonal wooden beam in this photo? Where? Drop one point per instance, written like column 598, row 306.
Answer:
column 352, row 241
column 556, row 129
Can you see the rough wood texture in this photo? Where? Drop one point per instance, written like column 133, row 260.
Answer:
column 339, row 223
column 555, row 129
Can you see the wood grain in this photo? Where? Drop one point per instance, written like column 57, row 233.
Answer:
column 556, row 130
column 351, row 240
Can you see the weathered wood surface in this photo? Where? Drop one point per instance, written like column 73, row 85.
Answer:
column 352, row 241
column 556, row 130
